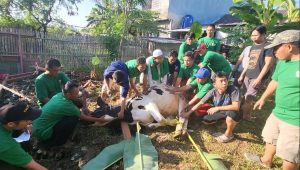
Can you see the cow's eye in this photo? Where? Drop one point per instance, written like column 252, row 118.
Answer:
column 141, row 107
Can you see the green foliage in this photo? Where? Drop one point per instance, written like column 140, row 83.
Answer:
column 292, row 12
column 197, row 29
column 239, row 37
column 36, row 13
column 258, row 11
column 95, row 60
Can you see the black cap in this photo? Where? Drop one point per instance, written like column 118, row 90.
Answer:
column 18, row 111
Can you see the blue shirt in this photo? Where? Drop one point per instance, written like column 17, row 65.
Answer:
column 175, row 67
column 118, row 65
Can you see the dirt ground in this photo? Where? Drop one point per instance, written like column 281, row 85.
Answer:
column 173, row 154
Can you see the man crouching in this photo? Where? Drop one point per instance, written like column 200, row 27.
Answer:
column 226, row 102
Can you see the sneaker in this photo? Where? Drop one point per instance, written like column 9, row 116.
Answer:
column 223, row 138
column 255, row 158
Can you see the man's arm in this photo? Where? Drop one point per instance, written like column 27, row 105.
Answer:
column 145, row 83
column 132, row 85
column 268, row 92
column 175, row 74
column 90, row 118
column 194, row 100
column 32, row 165
column 41, row 91
column 263, row 72
column 235, row 106
column 179, row 89
column 122, row 104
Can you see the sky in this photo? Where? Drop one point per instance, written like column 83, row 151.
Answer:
column 84, row 9
column 78, row 20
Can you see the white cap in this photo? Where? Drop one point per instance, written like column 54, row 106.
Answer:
column 157, row 53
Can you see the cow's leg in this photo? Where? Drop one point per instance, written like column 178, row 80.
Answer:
column 181, row 127
column 153, row 110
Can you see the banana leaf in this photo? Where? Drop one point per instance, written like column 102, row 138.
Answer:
column 140, row 154
column 107, row 157
column 213, row 161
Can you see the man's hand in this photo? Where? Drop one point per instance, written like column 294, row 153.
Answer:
column 121, row 115
column 259, row 104
column 256, row 83
column 212, row 110
column 240, row 80
column 185, row 114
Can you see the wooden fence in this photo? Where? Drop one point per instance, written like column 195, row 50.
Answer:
column 21, row 48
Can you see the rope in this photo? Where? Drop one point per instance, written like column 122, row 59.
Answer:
column 200, row 152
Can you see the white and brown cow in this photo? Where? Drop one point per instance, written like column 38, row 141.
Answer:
column 150, row 109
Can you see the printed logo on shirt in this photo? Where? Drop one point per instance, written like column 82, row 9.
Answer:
column 298, row 74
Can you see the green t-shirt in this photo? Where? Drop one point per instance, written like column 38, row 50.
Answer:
column 202, row 88
column 163, row 68
column 287, row 98
column 10, row 151
column 184, row 47
column 188, row 73
column 132, row 70
column 216, row 62
column 212, row 44
column 48, row 86
column 52, row 112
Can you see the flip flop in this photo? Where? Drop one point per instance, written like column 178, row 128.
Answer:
column 223, row 138
column 255, row 158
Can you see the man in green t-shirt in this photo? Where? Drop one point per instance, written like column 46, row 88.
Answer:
column 212, row 43
column 187, row 70
column 281, row 131
column 203, row 85
column 158, row 68
column 16, row 116
column 189, row 45
column 59, row 117
column 215, row 61
column 135, row 68
column 50, row 82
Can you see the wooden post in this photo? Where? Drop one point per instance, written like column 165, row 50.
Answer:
column 20, row 50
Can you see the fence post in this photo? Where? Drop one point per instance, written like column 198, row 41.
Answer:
column 20, row 51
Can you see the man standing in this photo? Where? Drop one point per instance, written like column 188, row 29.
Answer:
column 158, row 68
column 281, row 131
column 210, row 41
column 16, row 117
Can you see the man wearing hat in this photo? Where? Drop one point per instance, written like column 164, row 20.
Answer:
column 226, row 101
column 213, row 60
column 158, row 68
column 203, row 85
column 16, row 117
column 281, row 131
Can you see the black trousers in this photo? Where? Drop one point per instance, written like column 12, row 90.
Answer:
column 222, row 115
column 6, row 166
column 62, row 130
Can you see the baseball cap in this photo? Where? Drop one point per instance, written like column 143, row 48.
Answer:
column 287, row 36
column 157, row 53
column 18, row 111
column 202, row 73
column 202, row 46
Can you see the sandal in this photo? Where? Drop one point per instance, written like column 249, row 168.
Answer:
column 255, row 158
column 223, row 138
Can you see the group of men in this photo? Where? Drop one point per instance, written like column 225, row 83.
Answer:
column 199, row 72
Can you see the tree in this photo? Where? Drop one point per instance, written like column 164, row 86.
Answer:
column 36, row 13
column 258, row 12
column 120, row 19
